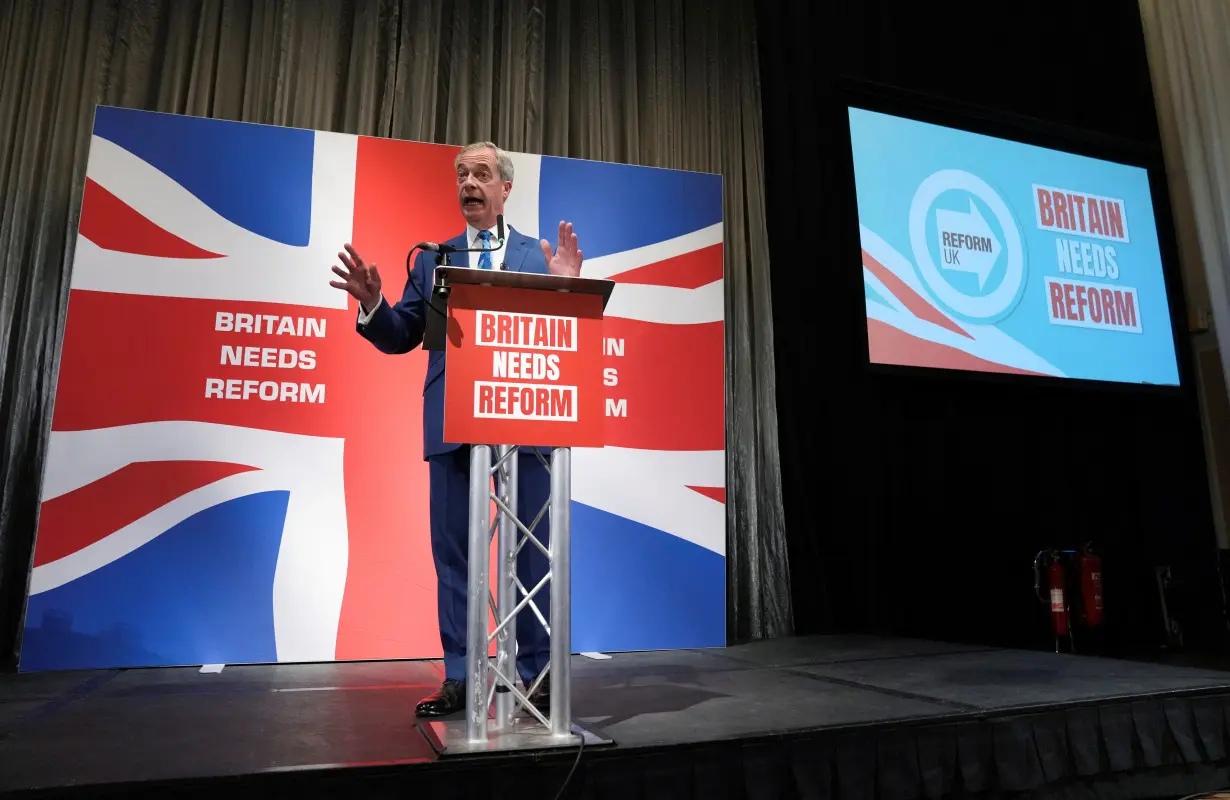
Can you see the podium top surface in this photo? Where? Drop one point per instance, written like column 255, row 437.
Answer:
column 527, row 280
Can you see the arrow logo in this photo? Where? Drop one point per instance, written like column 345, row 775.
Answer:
column 966, row 242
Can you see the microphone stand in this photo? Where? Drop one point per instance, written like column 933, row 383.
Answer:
column 442, row 252
column 432, row 324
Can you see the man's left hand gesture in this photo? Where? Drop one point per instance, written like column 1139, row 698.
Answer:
column 567, row 258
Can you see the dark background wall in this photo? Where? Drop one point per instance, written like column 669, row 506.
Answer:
column 915, row 503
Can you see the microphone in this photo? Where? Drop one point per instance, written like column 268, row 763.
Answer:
column 499, row 230
column 444, row 250
column 436, row 247
column 433, row 247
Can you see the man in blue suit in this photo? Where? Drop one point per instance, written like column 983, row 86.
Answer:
column 484, row 180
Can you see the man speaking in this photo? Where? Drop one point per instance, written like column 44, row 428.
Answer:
column 484, row 180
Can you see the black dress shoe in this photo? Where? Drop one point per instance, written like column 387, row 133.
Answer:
column 541, row 698
column 448, row 699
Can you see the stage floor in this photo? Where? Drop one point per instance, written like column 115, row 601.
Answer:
column 125, row 727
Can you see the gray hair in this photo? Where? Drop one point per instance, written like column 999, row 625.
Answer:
column 503, row 161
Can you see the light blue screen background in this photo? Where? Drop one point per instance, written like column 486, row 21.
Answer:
column 893, row 156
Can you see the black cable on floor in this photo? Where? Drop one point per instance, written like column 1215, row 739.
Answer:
column 575, row 763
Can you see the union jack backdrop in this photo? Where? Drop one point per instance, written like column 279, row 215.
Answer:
column 235, row 476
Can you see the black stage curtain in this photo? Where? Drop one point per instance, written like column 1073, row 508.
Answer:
column 915, row 503
column 667, row 83
column 1151, row 748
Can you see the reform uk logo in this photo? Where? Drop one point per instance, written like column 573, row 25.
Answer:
column 976, row 272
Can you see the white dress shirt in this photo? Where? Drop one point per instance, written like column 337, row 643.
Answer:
column 471, row 260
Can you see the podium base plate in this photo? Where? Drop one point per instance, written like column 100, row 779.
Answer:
column 448, row 738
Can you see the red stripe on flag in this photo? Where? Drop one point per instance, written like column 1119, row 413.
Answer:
column 82, row 517
column 112, row 224
column 405, row 192
column 129, row 359
column 670, row 387
column 717, row 493
column 917, row 305
column 688, row 271
column 889, row 345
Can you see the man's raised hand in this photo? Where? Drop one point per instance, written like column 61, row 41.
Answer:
column 361, row 280
column 567, row 258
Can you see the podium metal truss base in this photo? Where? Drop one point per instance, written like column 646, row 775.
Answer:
column 448, row 738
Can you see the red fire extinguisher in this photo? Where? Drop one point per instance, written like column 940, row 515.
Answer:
column 1056, row 590
column 1090, row 567
column 1059, row 605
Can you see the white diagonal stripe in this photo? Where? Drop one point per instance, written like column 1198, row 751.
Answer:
column 615, row 263
column 651, row 487
column 251, row 267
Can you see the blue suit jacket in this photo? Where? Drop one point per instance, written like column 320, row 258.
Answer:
column 399, row 328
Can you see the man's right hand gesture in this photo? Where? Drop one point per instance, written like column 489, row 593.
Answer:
column 361, row 280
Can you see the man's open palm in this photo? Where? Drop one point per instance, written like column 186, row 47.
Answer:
column 359, row 279
column 567, row 258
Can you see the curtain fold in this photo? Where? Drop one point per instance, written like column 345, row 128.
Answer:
column 666, row 83
column 1188, row 43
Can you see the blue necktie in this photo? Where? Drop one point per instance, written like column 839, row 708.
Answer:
column 484, row 258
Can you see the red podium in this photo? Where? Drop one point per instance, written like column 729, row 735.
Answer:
column 524, row 370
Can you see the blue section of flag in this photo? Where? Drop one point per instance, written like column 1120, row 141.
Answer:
column 875, row 296
column 639, row 588
column 201, row 593
column 257, row 176
column 616, row 207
